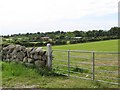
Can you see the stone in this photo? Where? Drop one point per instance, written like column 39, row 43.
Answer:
column 8, row 60
column 16, row 60
column 20, row 55
column 5, row 48
column 25, row 60
column 38, row 49
column 14, row 52
column 8, row 56
column 31, row 56
column 11, row 46
column 44, row 57
column 36, row 56
column 23, row 48
column 30, row 60
column 14, row 57
column 18, row 48
column 39, row 63
column 41, row 52
column 28, row 51
column 33, row 50
column 9, row 51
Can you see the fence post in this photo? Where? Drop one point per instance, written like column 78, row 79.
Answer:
column 68, row 63
column 49, row 56
column 93, row 65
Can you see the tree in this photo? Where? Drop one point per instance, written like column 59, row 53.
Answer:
column 69, row 35
column 114, row 31
column 76, row 33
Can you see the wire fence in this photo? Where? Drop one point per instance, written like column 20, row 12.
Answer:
column 90, row 65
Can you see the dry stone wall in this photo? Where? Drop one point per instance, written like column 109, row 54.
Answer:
column 18, row 53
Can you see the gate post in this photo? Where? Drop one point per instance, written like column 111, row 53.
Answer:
column 68, row 63
column 49, row 56
column 93, row 65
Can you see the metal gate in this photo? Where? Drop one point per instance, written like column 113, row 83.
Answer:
column 90, row 65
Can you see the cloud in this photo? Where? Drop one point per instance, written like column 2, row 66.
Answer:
column 29, row 13
column 54, row 9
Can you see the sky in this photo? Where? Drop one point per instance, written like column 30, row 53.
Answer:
column 22, row 16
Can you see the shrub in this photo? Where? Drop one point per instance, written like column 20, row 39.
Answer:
column 73, row 41
column 60, row 42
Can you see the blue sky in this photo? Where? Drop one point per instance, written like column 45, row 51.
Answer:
column 22, row 16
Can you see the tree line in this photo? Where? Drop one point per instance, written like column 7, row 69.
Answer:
column 62, row 37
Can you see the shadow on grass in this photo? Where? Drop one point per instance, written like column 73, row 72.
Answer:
column 44, row 71
column 81, row 70
column 47, row 72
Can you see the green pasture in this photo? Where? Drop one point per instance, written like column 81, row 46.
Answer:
column 108, row 45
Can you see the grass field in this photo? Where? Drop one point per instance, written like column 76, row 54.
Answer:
column 109, row 45
column 17, row 75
